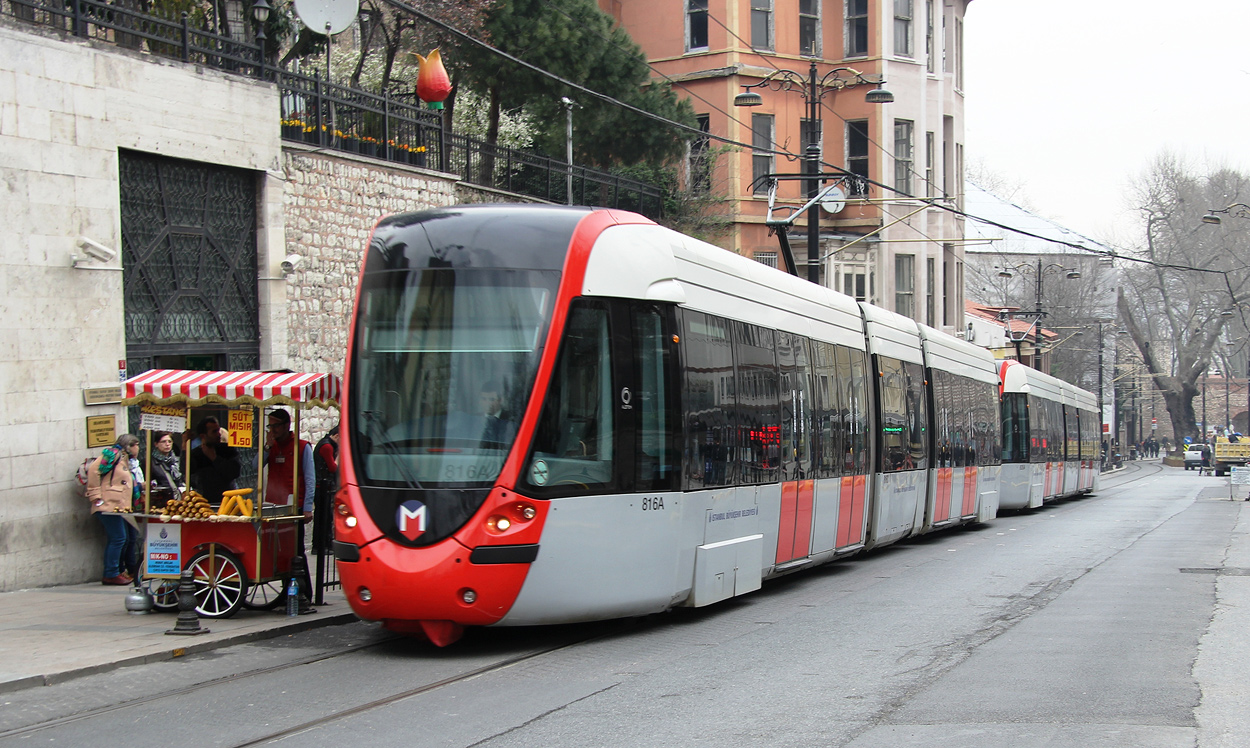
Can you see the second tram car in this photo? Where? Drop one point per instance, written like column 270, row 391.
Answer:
column 1050, row 441
column 557, row 415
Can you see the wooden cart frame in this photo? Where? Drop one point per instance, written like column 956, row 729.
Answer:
column 235, row 563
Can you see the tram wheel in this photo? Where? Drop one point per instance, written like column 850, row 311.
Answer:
column 264, row 595
column 219, row 583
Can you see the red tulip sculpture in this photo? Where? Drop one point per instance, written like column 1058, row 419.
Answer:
column 433, row 84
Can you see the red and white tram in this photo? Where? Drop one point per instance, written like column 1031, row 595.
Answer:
column 558, row 415
column 1050, row 438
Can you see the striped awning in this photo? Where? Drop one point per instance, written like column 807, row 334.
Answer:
column 244, row 387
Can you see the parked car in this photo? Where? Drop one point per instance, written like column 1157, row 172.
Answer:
column 1193, row 456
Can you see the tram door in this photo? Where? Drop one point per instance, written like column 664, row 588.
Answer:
column 798, row 485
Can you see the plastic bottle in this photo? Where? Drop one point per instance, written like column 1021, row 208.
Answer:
column 292, row 599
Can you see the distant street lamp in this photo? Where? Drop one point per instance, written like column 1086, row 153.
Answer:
column 1240, row 210
column 1037, row 314
column 812, row 90
column 260, row 12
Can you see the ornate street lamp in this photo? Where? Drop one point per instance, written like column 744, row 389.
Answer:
column 812, row 89
column 1240, row 210
column 1037, row 314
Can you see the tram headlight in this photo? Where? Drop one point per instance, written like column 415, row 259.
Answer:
column 364, row 594
column 350, row 521
column 528, row 512
column 341, row 508
column 498, row 523
column 468, row 596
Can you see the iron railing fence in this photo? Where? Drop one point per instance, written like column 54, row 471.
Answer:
column 127, row 23
column 531, row 174
column 389, row 126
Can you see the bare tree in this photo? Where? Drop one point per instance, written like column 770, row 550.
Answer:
column 1187, row 281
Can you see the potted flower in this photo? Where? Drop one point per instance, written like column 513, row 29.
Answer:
column 368, row 146
column 292, row 129
column 416, row 156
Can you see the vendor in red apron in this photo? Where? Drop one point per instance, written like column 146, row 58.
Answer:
column 280, row 481
column 280, row 464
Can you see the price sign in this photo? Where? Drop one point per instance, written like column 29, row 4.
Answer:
column 171, row 418
column 240, row 428
column 1241, row 476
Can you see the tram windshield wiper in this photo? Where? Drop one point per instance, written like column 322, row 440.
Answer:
column 379, row 440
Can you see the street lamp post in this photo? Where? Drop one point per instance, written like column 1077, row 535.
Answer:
column 812, row 90
column 1037, row 314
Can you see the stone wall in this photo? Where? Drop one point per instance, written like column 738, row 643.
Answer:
column 66, row 106
column 332, row 201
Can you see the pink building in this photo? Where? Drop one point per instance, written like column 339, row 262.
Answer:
column 914, row 146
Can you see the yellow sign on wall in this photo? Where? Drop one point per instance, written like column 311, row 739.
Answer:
column 101, row 431
column 240, row 428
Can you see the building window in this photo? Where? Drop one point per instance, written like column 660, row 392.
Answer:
column 928, row 36
column 856, row 28
column 696, row 25
column 905, row 284
column 700, row 167
column 766, row 258
column 853, row 285
column 959, row 53
column 857, row 155
column 929, row 155
column 903, row 147
column 902, row 28
column 805, row 134
column 762, row 24
column 809, row 28
column 959, row 175
column 930, row 286
column 761, row 163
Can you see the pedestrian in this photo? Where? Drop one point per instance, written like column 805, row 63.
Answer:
column 326, row 462
column 1206, row 460
column 214, row 463
column 166, row 468
column 111, row 489
column 280, row 446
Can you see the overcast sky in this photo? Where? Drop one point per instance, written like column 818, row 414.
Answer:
column 1072, row 99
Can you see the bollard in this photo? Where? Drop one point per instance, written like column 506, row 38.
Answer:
column 299, row 573
column 188, row 622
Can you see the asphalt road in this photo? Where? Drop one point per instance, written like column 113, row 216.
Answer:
column 1113, row 620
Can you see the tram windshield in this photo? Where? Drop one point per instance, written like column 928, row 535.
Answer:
column 443, row 362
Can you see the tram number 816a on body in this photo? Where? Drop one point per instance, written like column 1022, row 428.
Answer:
column 652, row 503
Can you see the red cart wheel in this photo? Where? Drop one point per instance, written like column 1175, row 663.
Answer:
column 220, row 583
column 265, row 595
column 164, row 593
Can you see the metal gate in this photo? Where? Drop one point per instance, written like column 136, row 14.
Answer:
column 189, row 265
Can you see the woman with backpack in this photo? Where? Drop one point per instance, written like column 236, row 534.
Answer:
column 111, row 489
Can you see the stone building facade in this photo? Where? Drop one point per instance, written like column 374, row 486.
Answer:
column 71, row 113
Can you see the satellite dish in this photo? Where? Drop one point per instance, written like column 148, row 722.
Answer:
column 320, row 15
column 834, row 200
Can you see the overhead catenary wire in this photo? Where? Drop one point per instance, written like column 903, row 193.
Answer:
column 405, row 6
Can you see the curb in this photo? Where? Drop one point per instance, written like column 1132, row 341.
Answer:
column 51, row 679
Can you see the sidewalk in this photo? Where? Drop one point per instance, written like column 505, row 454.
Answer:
column 54, row 634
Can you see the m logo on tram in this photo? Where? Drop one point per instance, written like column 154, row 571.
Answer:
column 410, row 519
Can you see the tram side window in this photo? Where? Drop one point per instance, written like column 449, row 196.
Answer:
column 917, row 417
column 855, row 402
column 830, row 415
column 1035, row 427
column 1015, row 446
column 895, row 437
column 940, row 383
column 656, row 468
column 796, row 407
column 759, row 407
column 573, row 446
column 709, row 401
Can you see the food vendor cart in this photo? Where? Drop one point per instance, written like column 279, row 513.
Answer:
column 241, row 549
